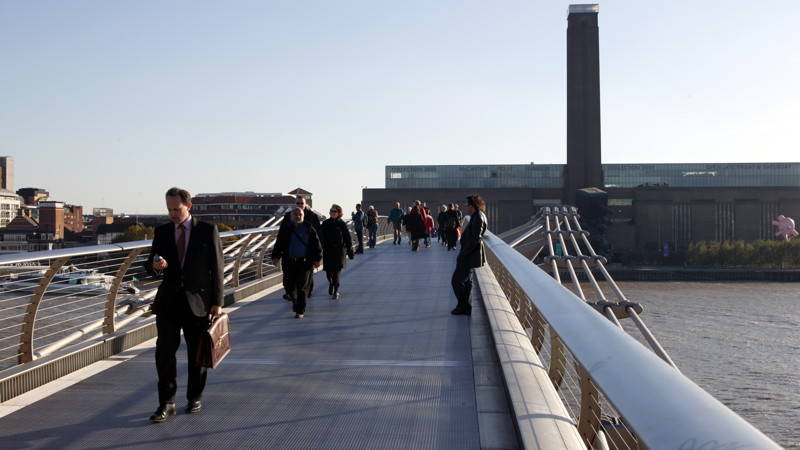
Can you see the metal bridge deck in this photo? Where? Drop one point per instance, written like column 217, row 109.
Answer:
column 384, row 367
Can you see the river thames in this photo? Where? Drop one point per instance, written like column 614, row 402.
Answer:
column 740, row 341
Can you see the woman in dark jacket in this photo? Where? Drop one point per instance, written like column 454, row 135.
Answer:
column 416, row 227
column 336, row 247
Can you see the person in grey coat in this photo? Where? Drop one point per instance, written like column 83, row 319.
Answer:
column 471, row 254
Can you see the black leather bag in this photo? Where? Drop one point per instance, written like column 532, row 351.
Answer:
column 215, row 343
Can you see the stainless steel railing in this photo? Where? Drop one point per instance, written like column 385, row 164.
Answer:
column 53, row 299
column 620, row 394
column 50, row 300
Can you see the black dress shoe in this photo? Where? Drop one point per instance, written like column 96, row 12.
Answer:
column 193, row 407
column 163, row 413
column 461, row 312
column 287, row 297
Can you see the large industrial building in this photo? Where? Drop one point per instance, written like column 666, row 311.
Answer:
column 646, row 205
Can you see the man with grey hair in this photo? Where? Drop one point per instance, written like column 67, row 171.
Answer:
column 298, row 246
column 310, row 217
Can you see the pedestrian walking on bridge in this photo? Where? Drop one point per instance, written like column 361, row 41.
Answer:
column 396, row 219
column 441, row 219
column 336, row 247
column 187, row 255
column 299, row 248
column 451, row 227
column 358, row 226
column 309, row 217
column 372, row 226
column 471, row 255
column 416, row 227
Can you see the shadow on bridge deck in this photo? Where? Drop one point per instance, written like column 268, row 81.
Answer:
column 386, row 366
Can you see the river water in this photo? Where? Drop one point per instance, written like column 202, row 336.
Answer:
column 740, row 341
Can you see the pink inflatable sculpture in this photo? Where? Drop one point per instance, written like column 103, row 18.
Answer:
column 785, row 227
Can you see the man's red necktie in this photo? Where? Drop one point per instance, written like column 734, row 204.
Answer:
column 181, row 243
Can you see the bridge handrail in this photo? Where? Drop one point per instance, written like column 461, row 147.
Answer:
column 39, row 255
column 659, row 404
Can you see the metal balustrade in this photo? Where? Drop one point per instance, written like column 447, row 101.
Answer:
column 50, row 300
column 620, row 394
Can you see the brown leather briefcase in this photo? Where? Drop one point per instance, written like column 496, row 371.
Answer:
column 215, row 343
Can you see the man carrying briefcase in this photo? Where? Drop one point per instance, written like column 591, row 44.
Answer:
column 190, row 262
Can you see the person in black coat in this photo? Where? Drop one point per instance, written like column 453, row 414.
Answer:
column 310, row 217
column 336, row 247
column 441, row 219
column 416, row 227
column 298, row 247
column 187, row 255
column 471, row 255
column 451, row 227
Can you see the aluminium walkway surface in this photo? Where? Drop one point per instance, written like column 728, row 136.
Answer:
column 386, row 366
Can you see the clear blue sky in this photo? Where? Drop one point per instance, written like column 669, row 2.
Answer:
column 108, row 103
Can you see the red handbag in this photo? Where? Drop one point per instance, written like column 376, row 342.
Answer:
column 215, row 342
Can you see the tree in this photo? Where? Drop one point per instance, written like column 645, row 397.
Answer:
column 135, row 233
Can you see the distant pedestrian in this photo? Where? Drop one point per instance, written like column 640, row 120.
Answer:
column 190, row 263
column 428, row 229
column 405, row 223
column 358, row 226
column 336, row 247
column 471, row 255
column 396, row 219
column 440, row 221
column 416, row 227
column 451, row 227
column 372, row 226
column 299, row 248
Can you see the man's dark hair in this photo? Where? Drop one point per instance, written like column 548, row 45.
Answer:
column 358, row 205
column 186, row 198
column 477, row 202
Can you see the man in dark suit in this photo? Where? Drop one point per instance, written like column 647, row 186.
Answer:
column 298, row 247
column 312, row 219
column 471, row 255
column 187, row 254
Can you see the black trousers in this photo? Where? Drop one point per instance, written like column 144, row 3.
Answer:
column 298, row 275
column 360, row 236
column 169, row 324
column 462, row 285
column 333, row 277
column 285, row 278
column 452, row 238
